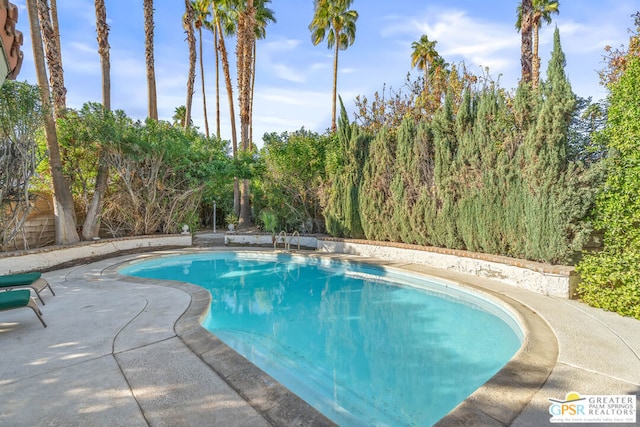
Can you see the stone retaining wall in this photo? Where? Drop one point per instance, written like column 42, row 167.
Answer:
column 51, row 256
column 552, row 280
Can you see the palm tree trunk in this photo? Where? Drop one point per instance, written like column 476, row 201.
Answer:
column 204, row 92
column 152, row 97
column 102, row 30
column 56, row 30
column 65, row 215
column 526, row 50
column 215, row 41
column 232, row 114
column 191, row 42
column 335, row 87
column 253, row 87
column 91, row 225
column 244, row 53
column 54, row 58
column 227, row 79
column 535, row 62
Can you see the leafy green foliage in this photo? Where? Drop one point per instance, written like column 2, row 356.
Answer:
column 269, row 221
column 611, row 278
column 291, row 172
column 81, row 134
column 159, row 173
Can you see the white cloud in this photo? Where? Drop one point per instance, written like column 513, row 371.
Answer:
column 278, row 45
column 319, row 66
column 285, row 72
column 476, row 41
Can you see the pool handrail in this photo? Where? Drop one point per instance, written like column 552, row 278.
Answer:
column 295, row 233
column 284, row 240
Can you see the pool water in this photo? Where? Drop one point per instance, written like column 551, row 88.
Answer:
column 363, row 345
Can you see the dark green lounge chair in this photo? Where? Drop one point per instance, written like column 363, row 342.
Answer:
column 20, row 298
column 25, row 280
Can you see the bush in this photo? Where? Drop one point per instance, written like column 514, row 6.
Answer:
column 611, row 278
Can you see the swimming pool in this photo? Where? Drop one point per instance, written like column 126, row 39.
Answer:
column 362, row 344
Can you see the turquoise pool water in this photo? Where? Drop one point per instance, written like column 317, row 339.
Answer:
column 363, row 345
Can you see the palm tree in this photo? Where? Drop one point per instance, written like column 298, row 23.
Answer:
column 524, row 24
column 542, row 10
column 54, row 57
column 187, row 24
column 264, row 15
column 152, row 97
column 224, row 20
column 211, row 26
column 244, row 53
column 102, row 30
column 179, row 116
column 65, row 216
column 332, row 20
column 423, row 55
column 201, row 11
column 91, row 225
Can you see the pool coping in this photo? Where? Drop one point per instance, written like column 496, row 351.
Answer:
column 497, row 402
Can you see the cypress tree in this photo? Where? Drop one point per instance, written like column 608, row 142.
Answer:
column 444, row 230
column 344, row 166
column 555, row 204
column 423, row 173
column 376, row 204
column 404, row 187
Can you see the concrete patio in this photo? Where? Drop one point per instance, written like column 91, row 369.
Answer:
column 127, row 351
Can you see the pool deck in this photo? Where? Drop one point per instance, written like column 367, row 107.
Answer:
column 128, row 351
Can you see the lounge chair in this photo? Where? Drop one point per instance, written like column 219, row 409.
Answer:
column 20, row 298
column 25, row 280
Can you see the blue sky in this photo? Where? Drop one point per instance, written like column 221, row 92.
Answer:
column 294, row 77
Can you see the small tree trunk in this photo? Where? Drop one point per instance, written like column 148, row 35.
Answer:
column 91, row 225
column 65, row 215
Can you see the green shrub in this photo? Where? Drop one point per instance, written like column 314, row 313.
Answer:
column 269, row 220
column 611, row 278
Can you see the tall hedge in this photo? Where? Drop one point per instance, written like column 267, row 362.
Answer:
column 611, row 278
column 489, row 172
